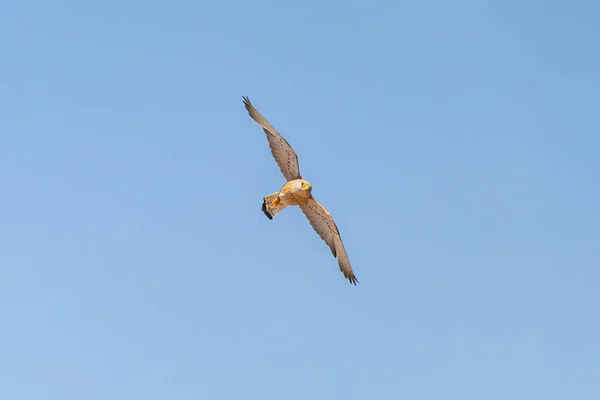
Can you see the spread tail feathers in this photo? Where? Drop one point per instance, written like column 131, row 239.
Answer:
column 271, row 205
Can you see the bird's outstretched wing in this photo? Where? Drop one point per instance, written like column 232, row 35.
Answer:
column 283, row 153
column 322, row 222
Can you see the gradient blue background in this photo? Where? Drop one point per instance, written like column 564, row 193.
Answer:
column 135, row 260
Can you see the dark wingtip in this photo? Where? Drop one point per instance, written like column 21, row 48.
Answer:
column 264, row 209
column 249, row 107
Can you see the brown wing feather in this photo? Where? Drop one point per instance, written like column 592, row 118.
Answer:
column 323, row 223
column 283, row 153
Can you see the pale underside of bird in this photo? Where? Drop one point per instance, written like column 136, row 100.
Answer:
column 298, row 192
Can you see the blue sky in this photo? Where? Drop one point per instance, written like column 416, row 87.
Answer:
column 455, row 143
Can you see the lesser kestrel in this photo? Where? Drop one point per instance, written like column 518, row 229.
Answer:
column 298, row 192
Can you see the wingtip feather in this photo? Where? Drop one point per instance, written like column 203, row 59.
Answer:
column 352, row 279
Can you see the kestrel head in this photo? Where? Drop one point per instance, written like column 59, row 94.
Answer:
column 305, row 186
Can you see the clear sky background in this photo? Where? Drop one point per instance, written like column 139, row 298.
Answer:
column 456, row 144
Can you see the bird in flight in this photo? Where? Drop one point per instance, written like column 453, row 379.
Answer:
column 298, row 192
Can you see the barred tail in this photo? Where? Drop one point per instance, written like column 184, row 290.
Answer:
column 267, row 206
